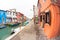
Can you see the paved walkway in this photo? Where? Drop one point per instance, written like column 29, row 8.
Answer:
column 32, row 32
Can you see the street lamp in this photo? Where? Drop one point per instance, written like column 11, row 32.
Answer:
column 35, row 9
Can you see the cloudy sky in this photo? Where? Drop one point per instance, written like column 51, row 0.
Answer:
column 23, row 6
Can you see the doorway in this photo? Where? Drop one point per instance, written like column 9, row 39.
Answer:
column 42, row 20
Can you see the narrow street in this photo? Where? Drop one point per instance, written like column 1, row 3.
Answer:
column 29, row 19
column 32, row 32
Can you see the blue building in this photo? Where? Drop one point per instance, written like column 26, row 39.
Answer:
column 2, row 17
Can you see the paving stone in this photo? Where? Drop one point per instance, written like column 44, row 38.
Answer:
column 33, row 32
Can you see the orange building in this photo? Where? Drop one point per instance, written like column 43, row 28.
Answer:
column 49, row 14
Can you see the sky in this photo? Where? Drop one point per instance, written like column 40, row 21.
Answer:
column 23, row 6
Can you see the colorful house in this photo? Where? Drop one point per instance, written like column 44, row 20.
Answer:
column 2, row 17
column 49, row 14
column 19, row 17
column 9, row 18
column 25, row 18
column 11, row 15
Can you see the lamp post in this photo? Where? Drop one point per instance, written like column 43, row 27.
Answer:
column 34, row 13
column 35, row 9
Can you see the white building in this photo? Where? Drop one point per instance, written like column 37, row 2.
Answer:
column 11, row 15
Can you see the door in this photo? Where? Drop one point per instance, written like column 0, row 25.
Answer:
column 3, row 21
column 42, row 20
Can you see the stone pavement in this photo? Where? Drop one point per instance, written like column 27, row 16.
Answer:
column 32, row 32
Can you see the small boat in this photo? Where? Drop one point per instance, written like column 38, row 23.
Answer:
column 25, row 23
column 12, row 31
column 12, row 25
column 2, row 26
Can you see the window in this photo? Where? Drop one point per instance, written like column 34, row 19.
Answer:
column 39, row 5
column 10, row 13
column 7, row 13
column 44, row 0
column 41, row 18
column 48, row 17
column 13, row 13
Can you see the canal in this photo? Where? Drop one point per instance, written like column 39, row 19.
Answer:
column 5, row 32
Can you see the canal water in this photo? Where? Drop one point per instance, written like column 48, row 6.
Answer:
column 5, row 32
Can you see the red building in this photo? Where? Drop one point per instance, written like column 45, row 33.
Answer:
column 19, row 17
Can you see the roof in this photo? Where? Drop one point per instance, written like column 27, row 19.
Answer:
column 20, row 13
column 3, row 10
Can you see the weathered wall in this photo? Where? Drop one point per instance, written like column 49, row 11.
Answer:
column 53, row 29
column 44, row 4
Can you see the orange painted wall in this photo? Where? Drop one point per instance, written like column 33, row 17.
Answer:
column 44, row 5
column 52, row 30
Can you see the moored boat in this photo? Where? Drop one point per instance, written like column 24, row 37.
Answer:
column 12, row 24
column 2, row 26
